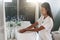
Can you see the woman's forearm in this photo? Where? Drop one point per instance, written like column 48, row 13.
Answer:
column 36, row 29
column 32, row 26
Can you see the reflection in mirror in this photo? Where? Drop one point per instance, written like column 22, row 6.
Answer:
column 18, row 13
column 11, row 16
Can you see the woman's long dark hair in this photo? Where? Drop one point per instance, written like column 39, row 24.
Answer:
column 47, row 7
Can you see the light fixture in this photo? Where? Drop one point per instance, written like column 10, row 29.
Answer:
column 35, row 1
column 7, row 0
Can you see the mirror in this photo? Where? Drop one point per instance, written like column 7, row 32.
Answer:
column 18, row 13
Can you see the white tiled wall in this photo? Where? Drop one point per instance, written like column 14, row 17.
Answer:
column 1, row 13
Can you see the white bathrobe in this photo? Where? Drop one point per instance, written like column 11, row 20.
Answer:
column 45, row 34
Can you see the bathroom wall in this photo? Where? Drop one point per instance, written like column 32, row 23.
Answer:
column 1, row 13
column 1, row 21
column 55, row 6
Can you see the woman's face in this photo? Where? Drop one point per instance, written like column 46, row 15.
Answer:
column 43, row 11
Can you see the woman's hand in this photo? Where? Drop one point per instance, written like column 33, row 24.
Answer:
column 22, row 31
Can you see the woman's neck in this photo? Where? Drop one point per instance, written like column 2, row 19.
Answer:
column 45, row 16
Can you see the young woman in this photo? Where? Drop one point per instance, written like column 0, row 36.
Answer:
column 45, row 23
